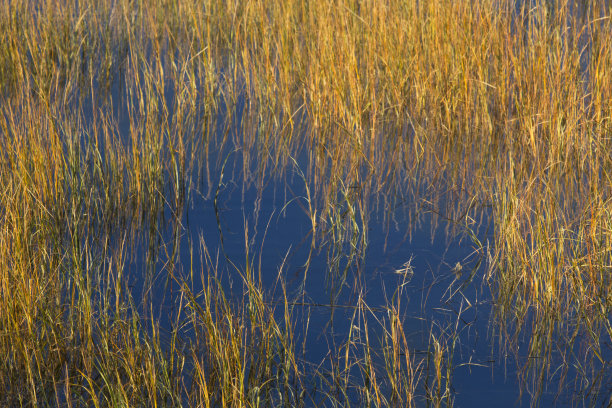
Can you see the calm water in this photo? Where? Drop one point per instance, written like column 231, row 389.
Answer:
column 445, row 295
column 438, row 298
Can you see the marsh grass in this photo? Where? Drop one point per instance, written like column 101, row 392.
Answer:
column 113, row 113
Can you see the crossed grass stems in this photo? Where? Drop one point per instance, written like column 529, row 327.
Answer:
column 115, row 113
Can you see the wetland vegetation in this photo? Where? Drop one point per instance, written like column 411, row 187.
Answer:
column 123, row 123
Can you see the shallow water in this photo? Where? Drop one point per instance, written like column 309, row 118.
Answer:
column 256, row 221
column 445, row 293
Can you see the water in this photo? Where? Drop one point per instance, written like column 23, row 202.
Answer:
column 437, row 275
column 435, row 267
column 444, row 294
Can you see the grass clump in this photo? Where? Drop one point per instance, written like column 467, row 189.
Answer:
column 115, row 114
